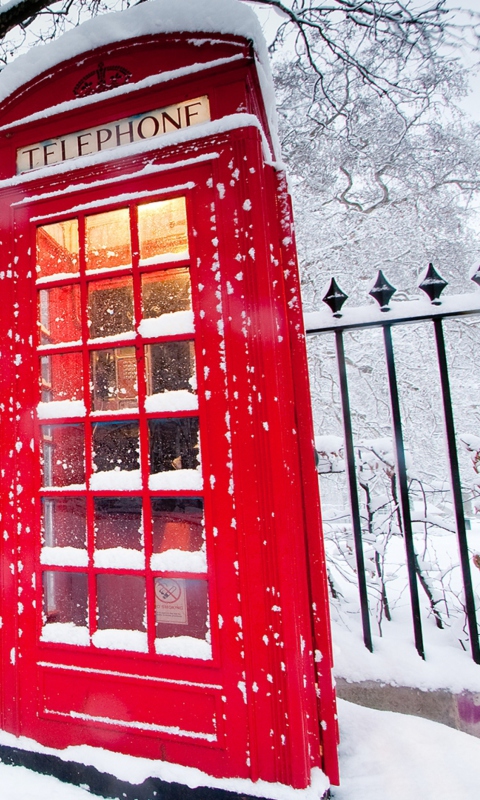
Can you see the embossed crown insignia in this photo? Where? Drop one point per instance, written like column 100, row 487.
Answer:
column 101, row 80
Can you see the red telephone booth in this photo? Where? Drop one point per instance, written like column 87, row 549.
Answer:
column 163, row 585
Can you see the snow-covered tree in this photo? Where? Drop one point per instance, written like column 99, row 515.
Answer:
column 387, row 183
column 382, row 186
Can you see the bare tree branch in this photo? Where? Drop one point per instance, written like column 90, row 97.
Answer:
column 19, row 14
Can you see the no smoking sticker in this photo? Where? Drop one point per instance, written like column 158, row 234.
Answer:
column 171, row 601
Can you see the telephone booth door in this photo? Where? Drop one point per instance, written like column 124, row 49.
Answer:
column 123, row 604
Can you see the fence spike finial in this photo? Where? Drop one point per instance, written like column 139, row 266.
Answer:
column 433, row 285
column 476, row 276
column 335, row 298
column 382, row 291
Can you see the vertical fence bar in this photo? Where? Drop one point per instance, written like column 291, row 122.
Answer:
column 457, row 489
column 403, row 487
column 352, row 482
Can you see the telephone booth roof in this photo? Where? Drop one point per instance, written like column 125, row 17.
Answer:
column 165, row 50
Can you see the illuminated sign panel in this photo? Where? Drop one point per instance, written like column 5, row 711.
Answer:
column 114, row 134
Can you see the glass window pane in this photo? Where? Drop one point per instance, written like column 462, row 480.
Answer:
column 110, row 307
column 61, row 377
column 64, row 522
column 59, row 315
column 162, row 230
column 114, row 379
column 181, row 607
column 115, row 446
column 57, row 248
column 170, row 367
column 108, row 240
column 121, row 602
column 118, row 522
column 63, row 450
column 173, row 444
column 165, row 292
column 65, row 597
column 177, row 523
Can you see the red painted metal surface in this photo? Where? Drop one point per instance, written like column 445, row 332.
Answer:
column 259, row 703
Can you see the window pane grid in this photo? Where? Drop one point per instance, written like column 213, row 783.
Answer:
column 139, row 414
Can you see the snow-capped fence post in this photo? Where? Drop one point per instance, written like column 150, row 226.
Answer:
column 387, row 318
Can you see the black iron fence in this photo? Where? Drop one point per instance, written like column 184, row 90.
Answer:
column 342, row 321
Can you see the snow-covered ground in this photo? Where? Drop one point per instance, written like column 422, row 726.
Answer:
column 19, row 783
column 383, row 756
column 448, row 663
column 387, row 756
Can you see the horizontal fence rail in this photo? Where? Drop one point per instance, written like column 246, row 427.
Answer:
column 432, row 310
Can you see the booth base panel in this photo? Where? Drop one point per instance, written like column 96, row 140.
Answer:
column 101, row 784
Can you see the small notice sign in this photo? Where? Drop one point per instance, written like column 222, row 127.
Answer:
column 114, row 134
column 171, row 601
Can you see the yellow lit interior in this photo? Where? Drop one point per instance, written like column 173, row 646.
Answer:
column 108, row 239
column 162, row 228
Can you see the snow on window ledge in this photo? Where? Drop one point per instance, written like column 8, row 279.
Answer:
column 179, row 561
column 107, row 270
column 165, row 258
column 58, row 276
column 116, row 480
column 114, row 412
column 116, row 639
column 184, row 646
column 61, row 408
column 167, row 325
column 64, row 556
column 116, row 337
column 176, row 479
column 65, row 633
column 119, row 558
column 69, row 487
column 58, row 345
column 179, row 400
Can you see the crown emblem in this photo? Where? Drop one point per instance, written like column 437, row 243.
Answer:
column 101, row 80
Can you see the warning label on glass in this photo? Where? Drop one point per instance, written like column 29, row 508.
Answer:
column 171, row 601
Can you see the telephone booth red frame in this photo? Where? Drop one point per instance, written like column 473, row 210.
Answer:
column 158, row 599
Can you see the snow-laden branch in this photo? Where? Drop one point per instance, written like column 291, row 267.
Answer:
column 371, row 12
column 345, row 31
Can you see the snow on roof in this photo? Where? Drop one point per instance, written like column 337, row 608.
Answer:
column 156, row 16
